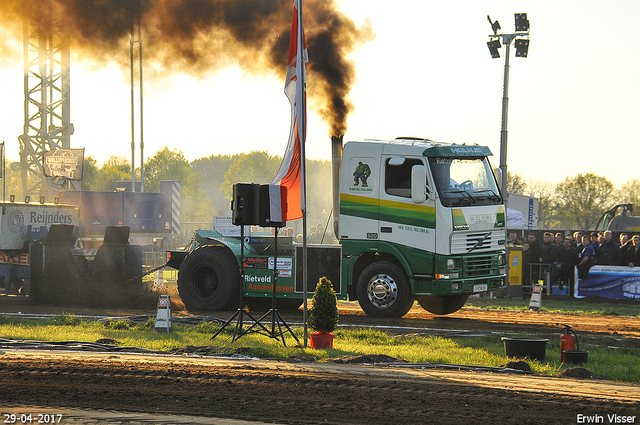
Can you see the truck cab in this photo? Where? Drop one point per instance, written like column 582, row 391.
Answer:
column 419, row 220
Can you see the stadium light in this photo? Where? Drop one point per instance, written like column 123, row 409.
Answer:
column 494, row 45
column 522, row 48
column 522, row 23
column 521, row 39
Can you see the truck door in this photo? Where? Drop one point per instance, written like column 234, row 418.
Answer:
column 409, row 226
column 359, row 194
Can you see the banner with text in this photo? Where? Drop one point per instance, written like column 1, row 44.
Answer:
column 618, row 282
column 66, row 163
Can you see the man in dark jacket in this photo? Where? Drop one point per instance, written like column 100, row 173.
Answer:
column 587, row 258
column 625, row 243
column 529, row 275
column 559, row 239
column 568, row 256
column 548, row 256
column 633, row 253
column 534, row 246
column 577, row 241
column 609, row 253
column 595, row 241
column 547, row 249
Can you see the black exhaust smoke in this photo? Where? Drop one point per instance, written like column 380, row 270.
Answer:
column 200, row 37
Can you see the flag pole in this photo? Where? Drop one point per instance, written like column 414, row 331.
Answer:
column 292, row 171
column 301, row 79
column 4, row 177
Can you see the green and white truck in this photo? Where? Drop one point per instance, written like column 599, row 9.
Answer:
column 418, row 220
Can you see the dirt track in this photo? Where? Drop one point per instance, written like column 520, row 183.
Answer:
column 593, row 329
column 286, row 392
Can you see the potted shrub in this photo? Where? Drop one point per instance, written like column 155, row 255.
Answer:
column 323, row 316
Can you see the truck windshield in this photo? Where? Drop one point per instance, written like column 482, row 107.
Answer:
column 465, row 181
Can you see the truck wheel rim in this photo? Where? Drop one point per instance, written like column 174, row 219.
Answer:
column 205, row 282
column 382, row 291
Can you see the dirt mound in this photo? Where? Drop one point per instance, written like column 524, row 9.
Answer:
column 578, row 372
column 519, row 365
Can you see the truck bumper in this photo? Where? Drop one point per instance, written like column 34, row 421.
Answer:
column 445, row 287
column 468, row 274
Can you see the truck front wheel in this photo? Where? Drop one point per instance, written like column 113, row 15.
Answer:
column 383, row 290
column 209, row 279
column 442, row 304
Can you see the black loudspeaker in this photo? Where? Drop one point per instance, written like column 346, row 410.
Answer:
column 60, row 234
column 265, row 206
column 245, row 203
column 322, row 261
column 116, row 235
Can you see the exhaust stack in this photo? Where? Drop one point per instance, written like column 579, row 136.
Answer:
column 336, row 162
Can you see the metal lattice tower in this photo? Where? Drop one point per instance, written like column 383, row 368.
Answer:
column 47, row 123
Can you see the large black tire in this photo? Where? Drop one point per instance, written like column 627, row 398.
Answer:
column 442, row 304
column 383, row 290
column 209, row 279
column 265, row 303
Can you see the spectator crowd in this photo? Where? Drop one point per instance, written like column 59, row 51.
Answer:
column 559, row 254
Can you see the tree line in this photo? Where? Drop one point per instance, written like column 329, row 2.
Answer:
column 207, row 186
column 206, row 183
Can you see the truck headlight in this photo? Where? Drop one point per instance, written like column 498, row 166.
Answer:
column 451, row 264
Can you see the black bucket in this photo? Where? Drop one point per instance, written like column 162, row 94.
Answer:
column 533, row 348
column 576, row 356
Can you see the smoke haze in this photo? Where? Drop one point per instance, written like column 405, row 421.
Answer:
column 200, row 37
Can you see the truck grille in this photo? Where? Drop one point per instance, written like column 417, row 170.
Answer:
column 461, row 243
column 479, row 266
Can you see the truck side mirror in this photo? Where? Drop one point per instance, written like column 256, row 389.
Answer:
column 497, row 172
column 418, row 184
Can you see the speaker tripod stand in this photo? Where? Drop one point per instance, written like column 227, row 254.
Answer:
column 239, row 315
column 274, row 314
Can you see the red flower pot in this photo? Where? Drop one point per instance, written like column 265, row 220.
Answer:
column 322, row 339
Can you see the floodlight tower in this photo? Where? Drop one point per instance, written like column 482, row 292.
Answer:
column 521, row 38
column 47, row 124
column 136, row 20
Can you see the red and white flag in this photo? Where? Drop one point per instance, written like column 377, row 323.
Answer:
column 291, row 172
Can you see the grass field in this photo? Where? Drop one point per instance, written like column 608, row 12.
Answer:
column 488, row 350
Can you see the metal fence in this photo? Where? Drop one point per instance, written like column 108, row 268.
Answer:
column 154, row 259
column 532, row 273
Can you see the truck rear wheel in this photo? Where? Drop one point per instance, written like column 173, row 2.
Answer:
column 209, row 279
column 442, row 304
column 383, row 290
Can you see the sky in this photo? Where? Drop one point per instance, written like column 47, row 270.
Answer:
column 573, row 102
